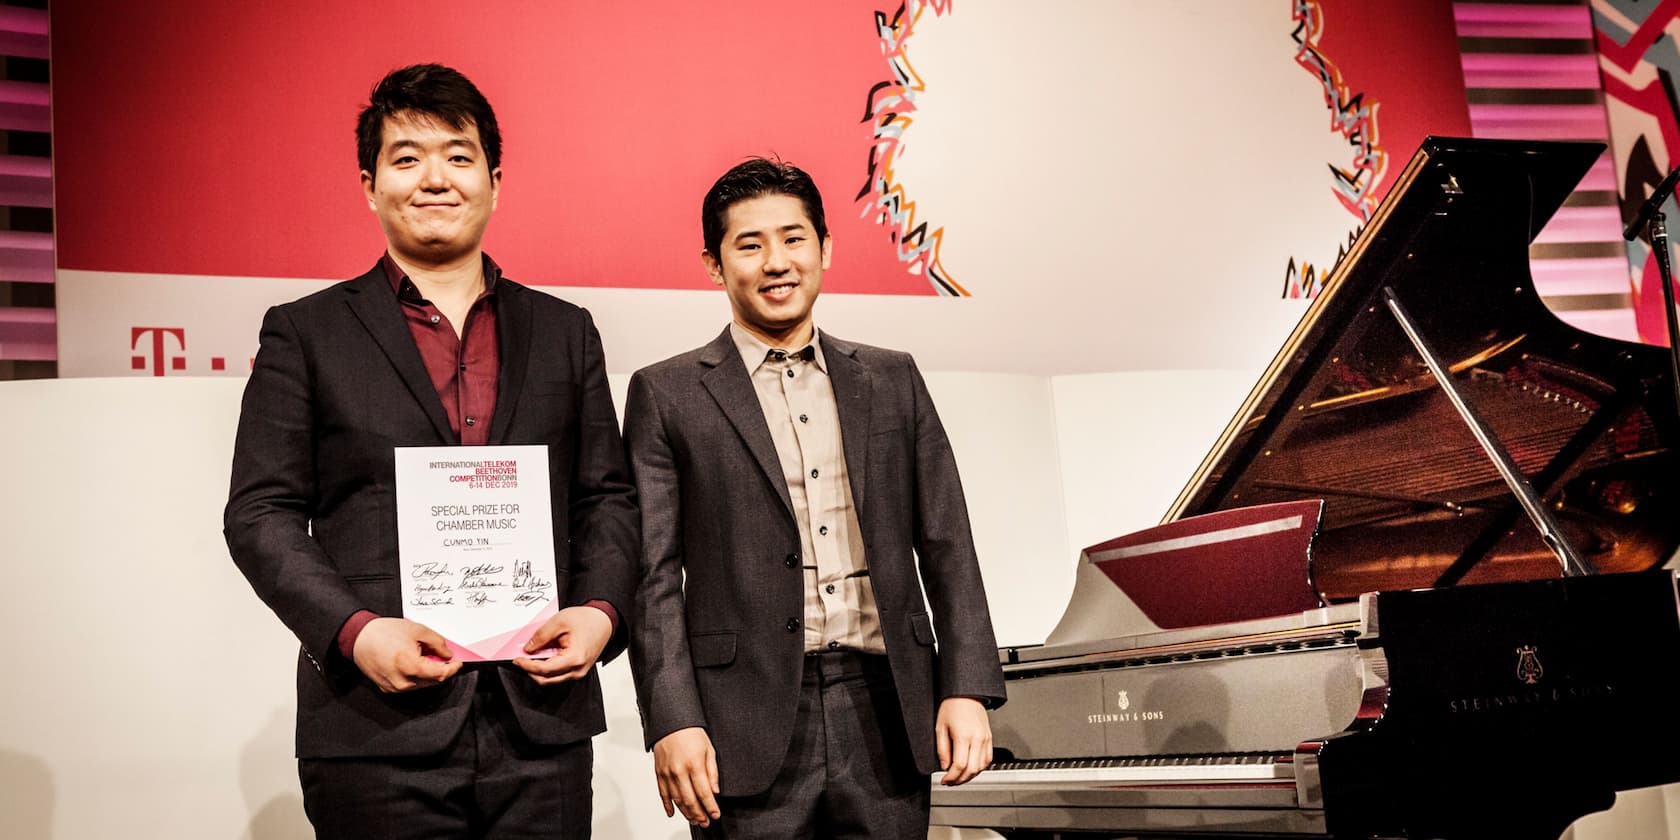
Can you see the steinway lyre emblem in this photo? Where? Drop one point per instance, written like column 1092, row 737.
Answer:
column 1529, row 669
column 1124, row 701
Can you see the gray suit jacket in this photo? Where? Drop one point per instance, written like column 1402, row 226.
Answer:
column 311, row 517
column 720, row 649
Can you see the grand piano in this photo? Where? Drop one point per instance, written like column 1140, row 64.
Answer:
column 1417, row 588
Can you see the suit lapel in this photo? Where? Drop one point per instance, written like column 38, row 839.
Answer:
column 852, row 386
column 376, row 306
column 513, row 328
column 730, row 385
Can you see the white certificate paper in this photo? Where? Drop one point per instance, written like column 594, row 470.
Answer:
column 476, row 539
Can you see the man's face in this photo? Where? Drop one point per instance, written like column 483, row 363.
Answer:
column 433, row 190
column 771, row 265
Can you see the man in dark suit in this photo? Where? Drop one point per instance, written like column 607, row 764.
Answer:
column 792, row 681
column 433, row 346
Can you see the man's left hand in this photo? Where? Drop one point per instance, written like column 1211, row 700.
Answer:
column 965, row 739
column 579, row 634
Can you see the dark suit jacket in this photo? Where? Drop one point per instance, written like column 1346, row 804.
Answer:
column 311, row 517
column 718, row 650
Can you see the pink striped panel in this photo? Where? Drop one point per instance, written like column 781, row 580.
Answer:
column 26, row 257
column 1487, row 70
column 28, row 334
column 23, row 32
column 1510, row 20
column 1602, row 175
column 1611, row 323
column 1583, row 224
column 25, row 181
column 1539, row 122
column 23, row 107
column 1580, row 276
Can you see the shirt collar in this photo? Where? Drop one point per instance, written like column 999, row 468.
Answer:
column 753, row 350
column 400, row 282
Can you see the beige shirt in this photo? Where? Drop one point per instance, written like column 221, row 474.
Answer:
column 798, row 402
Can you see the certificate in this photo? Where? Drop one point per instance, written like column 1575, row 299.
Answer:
column 476, row 540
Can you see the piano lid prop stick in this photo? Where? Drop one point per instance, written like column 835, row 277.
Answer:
column 1572, row 565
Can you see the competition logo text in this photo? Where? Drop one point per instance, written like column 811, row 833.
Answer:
column 481, row 475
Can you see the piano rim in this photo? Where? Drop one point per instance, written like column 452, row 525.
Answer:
column 1316, row 629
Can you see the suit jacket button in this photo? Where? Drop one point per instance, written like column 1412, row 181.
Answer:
column 793, row 625
column 792, row 561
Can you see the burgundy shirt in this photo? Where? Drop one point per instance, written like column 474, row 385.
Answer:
column 465, row 370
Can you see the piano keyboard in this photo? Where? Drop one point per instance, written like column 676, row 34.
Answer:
column 1201, row 769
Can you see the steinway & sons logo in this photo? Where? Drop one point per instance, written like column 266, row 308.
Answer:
column 1529, row 672
column 1123, row 704
column 1529, row 669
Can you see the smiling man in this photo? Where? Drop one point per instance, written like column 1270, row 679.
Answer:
column 792, row 681
column 433, row 346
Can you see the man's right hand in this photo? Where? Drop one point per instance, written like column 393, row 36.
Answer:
column 402, row 655
column 686, row 767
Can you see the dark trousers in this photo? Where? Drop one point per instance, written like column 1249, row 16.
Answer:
column 848, row 773
column 491, row 782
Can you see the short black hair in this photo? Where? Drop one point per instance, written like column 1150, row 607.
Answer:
column 431, row 90
column 750, row 179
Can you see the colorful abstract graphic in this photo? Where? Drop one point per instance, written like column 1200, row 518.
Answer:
column 889, row 108
column 1639, row 61
column 1355, row 119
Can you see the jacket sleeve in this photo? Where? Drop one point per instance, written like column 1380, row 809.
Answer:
column 950, row 568
column 665, row 687
column 272, row 494
column 603, row 518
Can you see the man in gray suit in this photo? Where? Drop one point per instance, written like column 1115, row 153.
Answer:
column 791, row 678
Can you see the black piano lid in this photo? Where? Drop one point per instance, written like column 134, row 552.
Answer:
column 1347, row 412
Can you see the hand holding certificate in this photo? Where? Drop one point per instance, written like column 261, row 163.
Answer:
column 576, row 635
column 401, row 655
column 476, row 540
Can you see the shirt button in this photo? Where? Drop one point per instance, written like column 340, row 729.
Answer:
column 436, row 319
column 792, row 560
column 463, row 366
column 823, row 530
column 790, row 374
column 469, row 421
column 835, row 645
column 813, row 473
column 793, row 625
column 829, row 589
column 804, row 419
